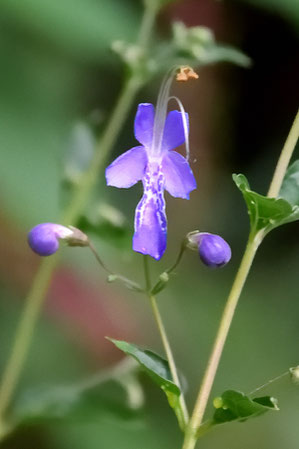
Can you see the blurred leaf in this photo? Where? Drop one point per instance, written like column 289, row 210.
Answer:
column 265, row 213
column 198, row 43
column 236, row 406
column 100, row 395
column 108, row 223
column 79, row 152
column 290, row 186
column 158, row 370
column 84, row 27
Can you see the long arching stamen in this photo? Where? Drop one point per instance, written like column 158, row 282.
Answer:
column 185, row 124
column 161, row 111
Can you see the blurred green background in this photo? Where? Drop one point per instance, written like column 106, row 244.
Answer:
column 58, row 70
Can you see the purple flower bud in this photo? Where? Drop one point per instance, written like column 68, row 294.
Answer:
column 213, row 250
column 44, row 238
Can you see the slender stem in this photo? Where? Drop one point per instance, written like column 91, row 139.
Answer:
column 24, row 332
column 261, row 387
column 225, row 323
column 232, row 301
column 178, row 259
column 96, row 255
column 113, row 276
column 148, row 284
column 40, row 285
column 170, row 357
column 151, row 8
column 164, row 338
column 284, row 158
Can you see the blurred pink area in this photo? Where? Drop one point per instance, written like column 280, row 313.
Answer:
column 84, row 309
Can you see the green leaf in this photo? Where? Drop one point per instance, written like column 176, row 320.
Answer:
column 236, row 406
column 265, row 213
column 93, row 398
column 290, row 186
column 158, row 370
column 108, row 223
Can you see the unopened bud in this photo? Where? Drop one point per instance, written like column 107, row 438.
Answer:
column 213, row 250
column 44, row 238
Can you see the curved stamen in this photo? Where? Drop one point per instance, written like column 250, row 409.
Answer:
column 161, row 112
column 185, row 124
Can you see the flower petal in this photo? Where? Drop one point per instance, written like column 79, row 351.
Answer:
column 144, row 124
column 150, row 218
column 179, row 179
column 174, row 130
column 150, row 230
column 127, row 169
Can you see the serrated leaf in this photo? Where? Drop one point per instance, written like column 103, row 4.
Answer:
column 158, row 370
column 236, row 406
column 265, row 213
column 93, row 398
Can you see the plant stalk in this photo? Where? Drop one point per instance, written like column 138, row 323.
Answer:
column 284, row 159
column 165, row 342
column 225, row 323
column 254, row 241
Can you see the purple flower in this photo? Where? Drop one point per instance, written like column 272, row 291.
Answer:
column 44, row 238
column 213, row 250
column 159, row 168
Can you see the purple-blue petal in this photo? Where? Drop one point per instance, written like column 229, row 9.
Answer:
column 150, row 230
column 127, row 169
column 179, row 179
column 174, row 134
column 150, row 218
column 144, row 124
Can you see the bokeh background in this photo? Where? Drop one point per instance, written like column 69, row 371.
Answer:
column 57, row 73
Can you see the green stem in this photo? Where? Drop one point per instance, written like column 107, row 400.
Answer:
column 284, row 159
column 150, row 12
column 254, row 241
column 148, row 284
column 40, row 285
column 178, row 259
column 225, row 323
column 166, row 344
column 24, row 333
column 170, row 358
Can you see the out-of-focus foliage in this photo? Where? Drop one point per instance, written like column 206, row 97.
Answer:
column 83, row 27
column 116, row 392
